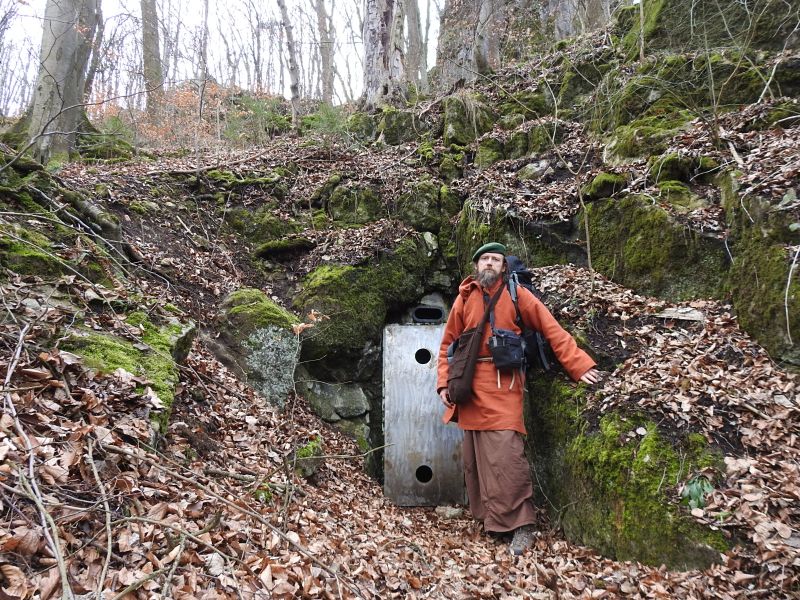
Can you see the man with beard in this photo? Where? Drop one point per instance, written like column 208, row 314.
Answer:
column 497, row 474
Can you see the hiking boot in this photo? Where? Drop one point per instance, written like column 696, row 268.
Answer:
column 523, row 538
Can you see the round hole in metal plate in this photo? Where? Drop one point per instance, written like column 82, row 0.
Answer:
column 423, row 356
column 424, row 474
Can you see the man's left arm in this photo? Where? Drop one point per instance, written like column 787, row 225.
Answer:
column 578, row 363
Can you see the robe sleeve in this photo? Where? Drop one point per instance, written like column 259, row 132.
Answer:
column 535, row 314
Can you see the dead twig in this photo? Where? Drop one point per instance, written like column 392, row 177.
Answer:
column 109, row 537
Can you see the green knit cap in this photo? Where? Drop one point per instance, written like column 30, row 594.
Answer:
column 490, row 247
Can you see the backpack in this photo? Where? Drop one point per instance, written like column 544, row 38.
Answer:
column 537, row 349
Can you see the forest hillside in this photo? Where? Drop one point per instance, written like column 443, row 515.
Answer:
column 193, row 330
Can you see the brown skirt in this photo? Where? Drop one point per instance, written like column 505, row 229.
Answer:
column 498, row 479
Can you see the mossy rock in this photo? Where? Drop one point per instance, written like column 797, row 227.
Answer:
column 257, row 342
column 260, row 226
column 645, row 136
column 544, row 136
column 675, row 167
column 451, row 167
column 537, row 245
column 680, row 196
column 517, row 145
column 357, row 299
column 490, row 151
column 400, row 126
column 510, row 122
column 787, row 78
column 450, row 201
column 355, row 204
column 465, row 119
column 527, row 103
column 604, row 185
column 639, row 245
column 606, row 485
column 248, row 309
column 309, row 457
column 362, row 126
column 321, row 195
column 274, row 181
column 758, row 284
column 579, row 79
column 419, row 207
column 166, row 346
column 759, row 275
column 27, row 252
column 712, row 24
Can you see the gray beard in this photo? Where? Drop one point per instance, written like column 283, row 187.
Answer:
column 487, row 278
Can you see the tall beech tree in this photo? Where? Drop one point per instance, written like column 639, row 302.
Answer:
column 326, row 42
column 384, row 69
column 294, row 68
column 57, row 110
column 151, row 57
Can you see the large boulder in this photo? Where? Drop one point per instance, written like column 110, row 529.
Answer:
column 357, row 300
column 605, row 480
column 638, row 244
column 154, row 359
column 257, row 342
column 465, row 118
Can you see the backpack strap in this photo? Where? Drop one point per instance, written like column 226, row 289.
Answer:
column 513, row 283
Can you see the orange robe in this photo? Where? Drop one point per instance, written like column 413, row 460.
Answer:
column 496, row 404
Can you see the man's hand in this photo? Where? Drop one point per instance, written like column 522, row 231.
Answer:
column 445, row 398
column 591, row 376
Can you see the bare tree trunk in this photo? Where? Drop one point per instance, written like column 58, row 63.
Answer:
column 459, row 51
column 202, row 73
column 294, row 71
column 96, row 53
column 415, row 49
column 67, row 31
column 151, row 58
column 383, row 52
column 325, row 29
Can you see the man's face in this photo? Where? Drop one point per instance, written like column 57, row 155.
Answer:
column 489, row 267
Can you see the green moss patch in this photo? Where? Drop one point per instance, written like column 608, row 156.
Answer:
column 248, row 309
column 604, row 185
column 154, row 363
column 489, row 152
column 614, row 486
column 357, row 300
column 637, row 244
column 646, row 136
column 399, row 126
column 465, row 118
column 355, row 204
column 260, row 226
column 420, row 207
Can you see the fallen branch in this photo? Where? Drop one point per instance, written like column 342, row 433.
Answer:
column 786, row 295
column 109, row 537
